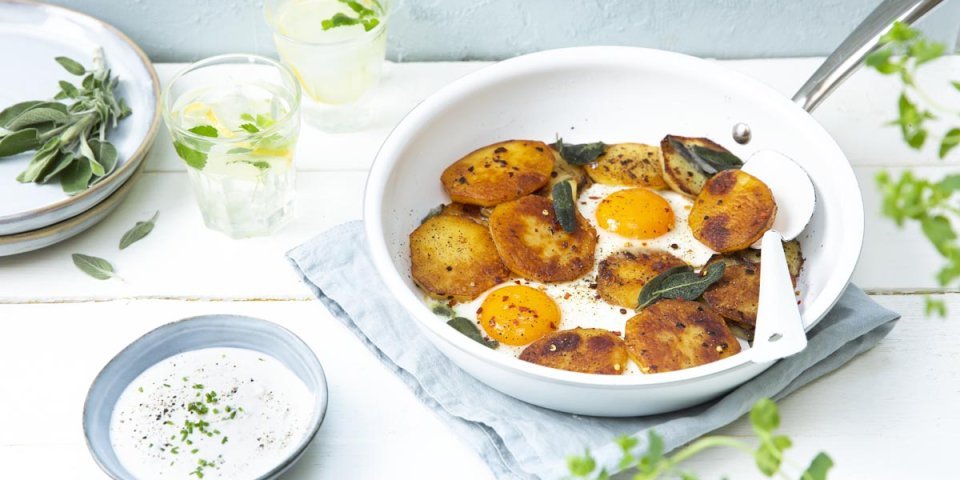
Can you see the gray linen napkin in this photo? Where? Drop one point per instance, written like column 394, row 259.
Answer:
column 521, row 441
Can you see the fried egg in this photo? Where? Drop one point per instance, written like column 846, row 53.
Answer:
column 630, row 219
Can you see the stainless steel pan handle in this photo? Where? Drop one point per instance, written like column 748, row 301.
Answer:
column 849, row 56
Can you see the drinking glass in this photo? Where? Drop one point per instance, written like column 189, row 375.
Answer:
column 337, row 67
column 234, row 120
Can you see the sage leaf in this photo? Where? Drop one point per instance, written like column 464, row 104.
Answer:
column 139, row 230
column 69, row 90
column 580, row 154
column 94, row 266
column 818, row 468
column 13, row 111
column 205, row 131
column 563, row 206
column 106, row 154
column 718, row 159
column 39, row 114
column 64, row 161
column 443, row 310
column 87, row 152
column 76, row 176
column 468, row 328
column 679, row 282
column 19, row 142
column 71, row 65
column 194, row 158
column 40, row 162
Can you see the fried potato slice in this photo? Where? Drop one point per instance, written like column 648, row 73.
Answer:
column 791, row 250
column 674, row 334
column 533, row 245
column 737, row 294
column 622, row 275
column 454, row 258
column 630, row 164
column 732, row 211
column 680, row 173
column 499, row 173
column 585, row 350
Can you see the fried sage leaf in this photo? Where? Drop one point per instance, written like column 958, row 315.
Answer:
column 563, row 206
column 470, row 329
column 94, row 266
column 140, row 230
column 579, row 154
column 679, row 282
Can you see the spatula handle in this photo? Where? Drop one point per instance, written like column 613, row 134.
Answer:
column 779, row 332
column 848, row 57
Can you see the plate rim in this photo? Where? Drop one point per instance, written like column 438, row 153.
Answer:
column 127, row 169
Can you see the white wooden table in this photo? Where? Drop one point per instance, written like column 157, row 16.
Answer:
column 878, row 416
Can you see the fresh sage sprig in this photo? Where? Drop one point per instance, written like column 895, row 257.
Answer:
column 368, row 17
column 651, row 463
column 96, row 267
column 70, row 139
column 138, row 232
column 679, row 282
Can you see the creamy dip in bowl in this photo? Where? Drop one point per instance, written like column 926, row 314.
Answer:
column 217, row 396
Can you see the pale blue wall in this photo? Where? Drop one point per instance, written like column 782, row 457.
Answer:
column 185, row 30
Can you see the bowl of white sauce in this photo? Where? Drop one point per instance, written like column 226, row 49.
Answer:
column 210, row 397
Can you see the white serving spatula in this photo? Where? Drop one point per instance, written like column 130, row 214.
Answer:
column 779, row 331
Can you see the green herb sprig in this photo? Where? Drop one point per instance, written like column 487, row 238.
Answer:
column 70, row 139
column 368, row 17
column 679, row 282
column 652, row 463
column 933, row 205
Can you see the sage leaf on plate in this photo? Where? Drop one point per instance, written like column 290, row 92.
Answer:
column 19, row 142
column 679, row 282
column 140, row 230
column 75, row 177
column 563, row 206
column 40, row 162
column 468, row 328
column 442, row 310
column 11, row 112
column 579, row 154
column 94, row 266
column 71, row 65
column 106, row 154
column 719, row 160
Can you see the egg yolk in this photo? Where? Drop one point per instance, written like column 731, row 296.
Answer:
column 518, row 315
column 635, row 213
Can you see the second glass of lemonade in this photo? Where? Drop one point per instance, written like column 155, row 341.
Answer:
column 234, row 120
column 336, row 49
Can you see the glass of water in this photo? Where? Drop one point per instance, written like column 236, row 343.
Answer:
column 336, row 49
column 234, row 121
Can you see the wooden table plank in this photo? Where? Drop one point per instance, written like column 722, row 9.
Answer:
column 895, row 397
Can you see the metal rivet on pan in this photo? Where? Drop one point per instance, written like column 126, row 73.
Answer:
column 741, row 133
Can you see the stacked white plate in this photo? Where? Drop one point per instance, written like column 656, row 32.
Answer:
column 34, row 216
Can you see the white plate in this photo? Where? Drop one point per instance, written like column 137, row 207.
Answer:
column 31, row 35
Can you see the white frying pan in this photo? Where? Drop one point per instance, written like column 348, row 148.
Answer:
column 617, row 94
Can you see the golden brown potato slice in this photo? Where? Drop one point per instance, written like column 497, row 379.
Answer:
column 674, row 334
column 533, row 245
column 454, row 258
column 622, row 275
column 499, row 173
column 736, row 295
column 732, row 211
column 585, row 350
column 794, row 256
column 631, row 164
column 680, row 172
